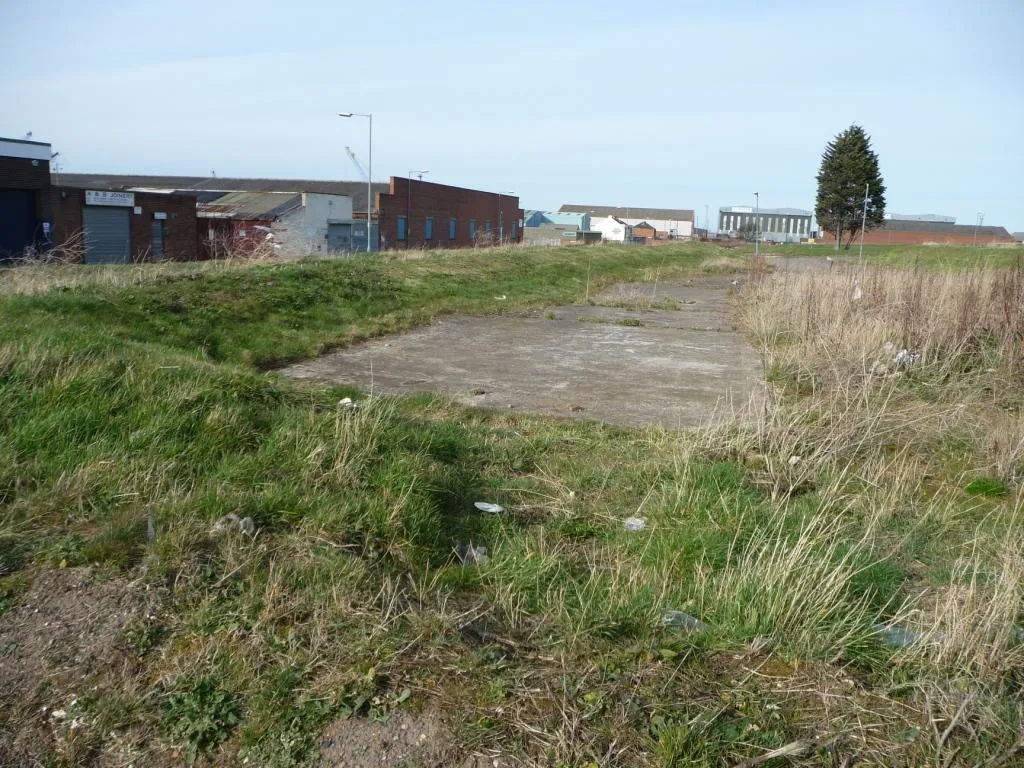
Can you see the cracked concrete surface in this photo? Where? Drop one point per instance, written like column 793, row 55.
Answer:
column 627, row 359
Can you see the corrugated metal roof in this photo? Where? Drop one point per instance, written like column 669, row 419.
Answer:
column 353, row 189
column 664, row 214
column 263, row 206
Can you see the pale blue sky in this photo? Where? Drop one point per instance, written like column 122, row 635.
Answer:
column 669, row 104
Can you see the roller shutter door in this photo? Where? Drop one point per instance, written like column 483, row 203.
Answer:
column 107, row 235
column 339, row 237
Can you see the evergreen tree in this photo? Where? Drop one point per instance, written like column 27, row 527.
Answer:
column 847, row 165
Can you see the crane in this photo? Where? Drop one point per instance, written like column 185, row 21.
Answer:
column 357, row 164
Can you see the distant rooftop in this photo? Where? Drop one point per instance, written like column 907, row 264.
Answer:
column 921, row 217
column 629, row 212
column 912, row 225
column 353, row 189
column 768, row 211
column 248, row 206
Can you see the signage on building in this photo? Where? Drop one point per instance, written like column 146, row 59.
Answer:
column 160, row 216
column 105, row 197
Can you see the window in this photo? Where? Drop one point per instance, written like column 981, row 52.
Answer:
column 428, row 228
column 403, row 231
column 452, row 229
column 487, row 227
column 472, row 229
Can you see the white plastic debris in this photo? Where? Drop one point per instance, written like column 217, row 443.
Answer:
column 233, row 523
column 486, row 506
column 634, row 524
column 346, row 403
column 793, row 460
column 858, row 294
column 683, row 620
column 471, row 555
column 905, row 358
column 500, row 298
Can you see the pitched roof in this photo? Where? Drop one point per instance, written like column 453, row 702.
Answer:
column 643, row 224
column 354, row 189
column 261, row 206
column 664, row 214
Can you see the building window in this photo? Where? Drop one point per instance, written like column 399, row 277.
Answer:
column 487, row 227
column 428, row 228
column 453, row 229
column 403, row 231
column 472, row 229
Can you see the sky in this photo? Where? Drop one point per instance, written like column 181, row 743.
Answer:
column 642, row 104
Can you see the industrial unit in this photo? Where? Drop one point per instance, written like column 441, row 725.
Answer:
column 777, row 225
column 668, row 223
column 82, row 223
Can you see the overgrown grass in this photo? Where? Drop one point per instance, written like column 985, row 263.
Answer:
column 133, row 415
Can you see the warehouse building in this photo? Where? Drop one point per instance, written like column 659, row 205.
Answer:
column 913, row 232
column 421, row 214
column 24, row 173
column 79, row 223
column 98, row 226
column 776, row 225
column 293, row 223
column 669, row 223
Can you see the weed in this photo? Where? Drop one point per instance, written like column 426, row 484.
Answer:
column 198, row 714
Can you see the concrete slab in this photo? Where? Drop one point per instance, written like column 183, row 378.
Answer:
column 671, row 368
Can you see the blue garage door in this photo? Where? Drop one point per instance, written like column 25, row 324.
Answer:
column 17, row 222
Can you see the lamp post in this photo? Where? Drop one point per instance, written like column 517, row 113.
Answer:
column 757, row 225
column 408, row 202
column 977, row 223
column 501, row 217
column 369, row 178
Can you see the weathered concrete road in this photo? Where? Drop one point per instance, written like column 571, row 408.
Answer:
column 622, row 361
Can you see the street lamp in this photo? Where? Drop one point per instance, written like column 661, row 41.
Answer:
column 977, row 223
column 408, row 202
column 757, row 225
column 501, row 216
column 369, row 179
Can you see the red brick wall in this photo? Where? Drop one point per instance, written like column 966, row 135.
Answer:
column 442, row 202
column 893, row 237
column 63, row 206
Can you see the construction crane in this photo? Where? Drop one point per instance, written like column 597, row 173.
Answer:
column 357, row 164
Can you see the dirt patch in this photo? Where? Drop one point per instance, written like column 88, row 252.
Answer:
column 63, row 636
column 409, row 740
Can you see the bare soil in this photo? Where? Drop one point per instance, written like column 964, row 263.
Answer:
column 63, row 637
column 406, row 739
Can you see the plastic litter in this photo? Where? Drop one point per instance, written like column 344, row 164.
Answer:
column 793, row 460
column 905, row 357
column 233, row 523
column 470, row 555
column 683, row 620
column 897, row 637
column 634, row 524
column 486, row 506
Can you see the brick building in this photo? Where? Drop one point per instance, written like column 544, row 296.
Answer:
column 911, row 232
column 24, row 173
column 645, row 230
column 121, row 227
column 422, row 214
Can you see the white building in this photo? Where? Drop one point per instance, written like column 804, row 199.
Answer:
column 612, row 228
column 670, row 223
column 777, row 225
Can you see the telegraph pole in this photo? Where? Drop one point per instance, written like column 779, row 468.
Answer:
column 863, row 222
